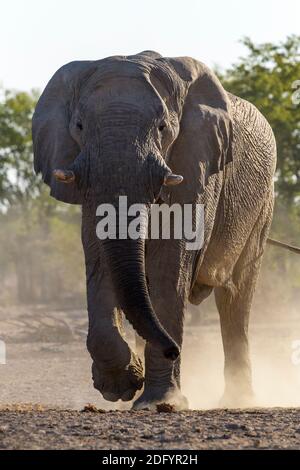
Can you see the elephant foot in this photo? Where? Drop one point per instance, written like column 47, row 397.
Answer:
column 150, row 398
column 119, row 383
column 238, row 399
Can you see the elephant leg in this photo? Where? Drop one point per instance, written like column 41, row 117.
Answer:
column 234, row 303
column 162, row 382
column 234, row 318
column 168, row 286
column 117, row 371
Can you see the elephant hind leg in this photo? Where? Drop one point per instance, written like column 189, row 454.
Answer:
column 234, row 318
column 234, row 303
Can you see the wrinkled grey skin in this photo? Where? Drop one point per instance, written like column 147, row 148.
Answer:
column 121, row 125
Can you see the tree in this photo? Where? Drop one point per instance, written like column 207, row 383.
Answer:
column 39, row 238
column 269, row 77
column 17, row 180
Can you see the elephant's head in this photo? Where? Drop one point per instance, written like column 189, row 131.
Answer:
column 126, row 126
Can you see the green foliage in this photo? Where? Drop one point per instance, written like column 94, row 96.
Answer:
column 41, row 257
column 267, row 77
column 17, row 180
column 40, row 252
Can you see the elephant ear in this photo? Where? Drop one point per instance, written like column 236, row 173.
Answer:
column 53, row 145
column 204, row 144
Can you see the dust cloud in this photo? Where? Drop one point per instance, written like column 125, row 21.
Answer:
column 46, row 357
column 275, row 357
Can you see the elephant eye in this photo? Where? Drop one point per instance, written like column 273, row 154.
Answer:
column 79, row 125
column 161, row 127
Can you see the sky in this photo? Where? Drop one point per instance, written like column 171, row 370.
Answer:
column 38, row 36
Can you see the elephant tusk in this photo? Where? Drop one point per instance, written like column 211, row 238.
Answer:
column 64, row 176
column 173, row 180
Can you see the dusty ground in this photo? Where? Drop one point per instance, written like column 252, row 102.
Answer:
column 215, row 429
column 47, row 364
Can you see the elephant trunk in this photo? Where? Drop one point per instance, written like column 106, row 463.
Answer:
column 126, row 259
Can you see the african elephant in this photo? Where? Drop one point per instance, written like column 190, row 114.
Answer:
column 136, row 125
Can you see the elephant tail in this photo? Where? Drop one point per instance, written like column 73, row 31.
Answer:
column 294, row 249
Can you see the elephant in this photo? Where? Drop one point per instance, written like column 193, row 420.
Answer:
column 159, row 130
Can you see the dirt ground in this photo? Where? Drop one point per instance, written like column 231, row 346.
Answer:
column 47, row 365
column 210, row 429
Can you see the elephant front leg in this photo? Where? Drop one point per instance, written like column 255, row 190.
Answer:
column 117, row 370
column 162, row 382
column 168, row 287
